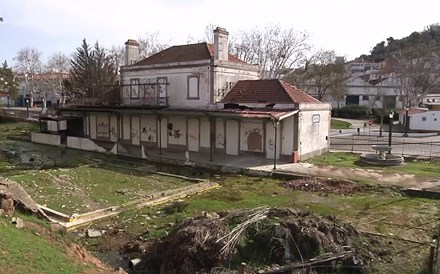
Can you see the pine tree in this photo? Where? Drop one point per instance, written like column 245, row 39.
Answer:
column 7, row 81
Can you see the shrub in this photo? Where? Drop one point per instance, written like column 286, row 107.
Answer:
column 353, row 111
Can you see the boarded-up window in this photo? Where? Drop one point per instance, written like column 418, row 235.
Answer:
column 193, row 87
column 134, row 88
column 423, row 118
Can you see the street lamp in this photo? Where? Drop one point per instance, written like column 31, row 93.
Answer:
column 391, row 116
column 405, row 133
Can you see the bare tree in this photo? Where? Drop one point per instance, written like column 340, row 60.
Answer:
column 273, row 48
column 322, row 75
column 416, row 71
column 57, row 70
column 117, row 53
column 149, row 44
column 28, row 62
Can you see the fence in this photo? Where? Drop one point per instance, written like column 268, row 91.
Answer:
column 408, row 147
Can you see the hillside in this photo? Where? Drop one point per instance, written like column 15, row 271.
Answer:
column 430, row 36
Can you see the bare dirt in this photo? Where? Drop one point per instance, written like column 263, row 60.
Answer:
column 323, row 185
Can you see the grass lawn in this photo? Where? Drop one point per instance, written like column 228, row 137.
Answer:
column 23, row 251
column 338, row 124
column 85, row 188
column 15, row 129
column 426, row 169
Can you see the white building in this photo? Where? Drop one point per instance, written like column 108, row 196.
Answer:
column 197, row 98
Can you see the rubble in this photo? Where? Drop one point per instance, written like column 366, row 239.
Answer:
column 323, row 185
column 263, row 236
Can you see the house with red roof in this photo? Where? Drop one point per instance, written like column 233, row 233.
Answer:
column 196, row 99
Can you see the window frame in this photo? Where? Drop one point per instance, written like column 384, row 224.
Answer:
column 131, row 88
column 188, row 80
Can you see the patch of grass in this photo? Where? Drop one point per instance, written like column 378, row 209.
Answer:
column 427, row 169
column 339, row 124
column 25, row 252
column 8, row 130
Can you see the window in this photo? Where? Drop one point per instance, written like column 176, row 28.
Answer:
column 423, row 118
column 193, row 87
column 134, row 88
column 365, row 97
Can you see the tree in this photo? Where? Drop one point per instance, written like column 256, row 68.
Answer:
column 56, row 72
column 322, row 75
column 28, row 63
column 274, row 49
column 416, row 71
column 149, row 44
column 92, row 72
column 7, row 81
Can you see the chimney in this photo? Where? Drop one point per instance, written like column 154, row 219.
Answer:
column 131, row 52
column 221, row 44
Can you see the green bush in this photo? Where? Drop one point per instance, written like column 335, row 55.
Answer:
column 353, row 111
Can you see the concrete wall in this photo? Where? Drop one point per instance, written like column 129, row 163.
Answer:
column 102, row 126
column 251, row 135
column 177, row 133
column 83, row 144
column 193, row 134
column 314, row 129
column 135, row 130
column 232, row 139
column 43, row 138
column 431, row 123
column 114, row 128
column 164, row 132
column 92, row 125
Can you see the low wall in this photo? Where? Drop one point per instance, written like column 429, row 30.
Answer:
column 44, row 138
column 84, row 144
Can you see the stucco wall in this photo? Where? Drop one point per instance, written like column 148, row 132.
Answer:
column 251, row 136
column 48, row 139
column 232, row 139
column 270, row 141
column 193, row 134
column 219, row 133
column 432, row 122
column 83, row 144
column 126, row 127
column 135, row 130
column 223, row 75
column 164, row 132
column 205, row 133
column 314, row 129
column 148, row 128
column 177, row 131
column 113, row 128
column 92, row 124
column 102, row 126
column 177, row 87
column 287, row 136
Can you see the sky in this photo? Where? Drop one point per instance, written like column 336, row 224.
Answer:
column 349, row 27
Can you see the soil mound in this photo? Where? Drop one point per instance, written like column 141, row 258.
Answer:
column 323, row 185
column 263, row 236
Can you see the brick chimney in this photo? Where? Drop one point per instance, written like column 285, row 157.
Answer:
column 131, row 52
column 221, row 44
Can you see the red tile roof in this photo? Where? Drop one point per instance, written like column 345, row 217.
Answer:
column 412, row 111
column 266, row 91
column 184, row 53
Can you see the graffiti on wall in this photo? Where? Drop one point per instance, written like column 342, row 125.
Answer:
column 148, row 133
column 254, row 139
column 220, row 140
column 103, row 130
column 270, row 144
column 113, row 133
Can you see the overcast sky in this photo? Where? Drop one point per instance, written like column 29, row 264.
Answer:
column 349, row 27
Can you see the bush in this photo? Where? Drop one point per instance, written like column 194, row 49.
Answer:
column 353, row 111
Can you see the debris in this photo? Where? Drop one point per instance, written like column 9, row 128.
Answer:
column 93, row 233
column 323, row 185
column 17, row 222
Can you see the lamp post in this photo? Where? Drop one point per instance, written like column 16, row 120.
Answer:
column 27, row 107
column 405, row 133
column 390, row 131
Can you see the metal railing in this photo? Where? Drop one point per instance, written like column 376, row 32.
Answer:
column 145, row 101
column 408, row 147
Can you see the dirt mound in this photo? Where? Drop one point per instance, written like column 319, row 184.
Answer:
column 323, row 185
column 263, row 237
